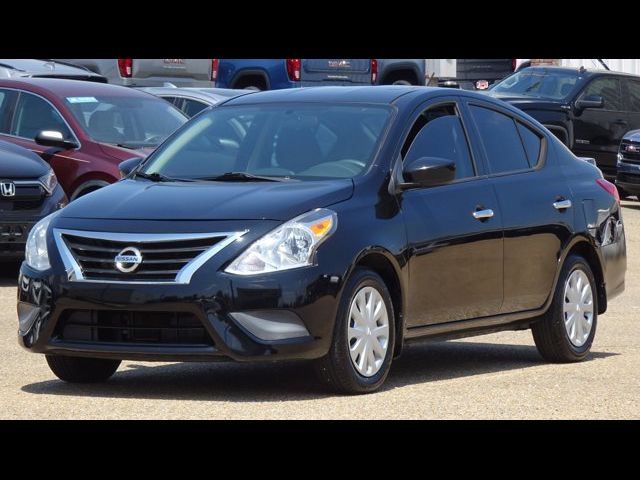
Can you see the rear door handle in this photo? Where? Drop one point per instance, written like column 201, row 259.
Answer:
column 620, row 122
column 562, row 204
column 483, row 214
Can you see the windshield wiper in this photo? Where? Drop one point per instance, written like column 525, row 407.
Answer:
column 157, row 177
column 241, row 177
column 136, row 146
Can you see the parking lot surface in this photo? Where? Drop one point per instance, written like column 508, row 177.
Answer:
column 493, row 376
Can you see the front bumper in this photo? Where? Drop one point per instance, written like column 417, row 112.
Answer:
column 47, row 300
column 628, row 178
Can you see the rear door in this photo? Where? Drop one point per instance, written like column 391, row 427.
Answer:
column 336, row 71
column 597, row 132
column 533, row 197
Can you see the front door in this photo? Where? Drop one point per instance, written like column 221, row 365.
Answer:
column 454, row 231
column 597, row 131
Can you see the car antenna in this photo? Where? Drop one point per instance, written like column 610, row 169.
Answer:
column 582, row 69
column 606, row 67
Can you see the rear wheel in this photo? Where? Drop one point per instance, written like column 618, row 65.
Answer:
column 82, row 370
column 565, row 333
column 364, row 334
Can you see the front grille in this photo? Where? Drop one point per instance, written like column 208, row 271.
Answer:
column 627, row 178
column 28, row 196
column 127, row 327
column 162, row 259
column 630, row 157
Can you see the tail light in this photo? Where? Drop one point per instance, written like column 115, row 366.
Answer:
column 514, row 62
column 125, row 65
column 293, row 68
column 610, row 188
column 215, row 63
column 374, row 71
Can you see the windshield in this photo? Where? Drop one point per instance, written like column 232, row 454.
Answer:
column 556, row 85
column 132, row 122
column 302, row 141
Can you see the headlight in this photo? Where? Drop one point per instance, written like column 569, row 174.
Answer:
column 36, row 253
column 291, row 245
column 49, row 181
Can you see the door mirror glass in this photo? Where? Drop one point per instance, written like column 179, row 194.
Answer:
column 590, row 101
column 54, row 138
column 428, row 172
column 128, row 166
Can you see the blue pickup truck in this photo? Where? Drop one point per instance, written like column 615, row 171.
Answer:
column 272, row 74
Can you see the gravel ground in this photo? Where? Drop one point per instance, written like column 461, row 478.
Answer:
column 493, row 376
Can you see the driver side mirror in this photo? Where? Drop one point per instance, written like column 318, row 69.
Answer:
column 54, row 138
column 590, row 101
column 128, row 166
column 428, row 172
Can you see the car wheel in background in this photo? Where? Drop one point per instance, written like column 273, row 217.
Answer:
column 565, row 333
column 364, row 335
column 82, row 370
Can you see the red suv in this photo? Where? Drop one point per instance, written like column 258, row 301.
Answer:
column 83, row 129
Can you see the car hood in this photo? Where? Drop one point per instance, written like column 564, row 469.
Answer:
column 122, row 154
column 17, row 162
column 530, row 103
column 632, row 136
column 144, row 200
column 45, row 68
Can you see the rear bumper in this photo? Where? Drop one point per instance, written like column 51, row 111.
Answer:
column 628, row 178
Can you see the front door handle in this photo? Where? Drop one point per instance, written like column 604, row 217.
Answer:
column 562, row 204
column 483, row 214
column 620, row 122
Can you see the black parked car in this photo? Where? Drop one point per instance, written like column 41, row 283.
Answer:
column 588, row 110
column 334, row 224
column 628, row 178
column 29, row 191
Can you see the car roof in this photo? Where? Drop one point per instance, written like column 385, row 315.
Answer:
column 61, row 87
column 383, row 94
column 46, row 67
column 585, row 71
column 209, row 95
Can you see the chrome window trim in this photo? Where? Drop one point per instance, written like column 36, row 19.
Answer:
column 21, row 91
column 183, row 277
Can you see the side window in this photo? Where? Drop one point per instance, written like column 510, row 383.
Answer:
column 609, row 89
column 634, row 95
column 34, row 114
column 7, row 100
column 191, row 107
column 502, row 144
column 531, row 142
column 438, row 132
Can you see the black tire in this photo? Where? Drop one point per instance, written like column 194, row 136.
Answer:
column 549, row 333
column 82, row 370
column 336, row 369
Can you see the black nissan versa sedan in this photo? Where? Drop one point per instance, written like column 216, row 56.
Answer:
column 29, row 191
column 333, row 224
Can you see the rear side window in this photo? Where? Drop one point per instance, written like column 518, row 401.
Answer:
column 531, row 142
column 609, row 89
column 438, row 132
column 634, row 95
column 501, row 140
column 191, row 107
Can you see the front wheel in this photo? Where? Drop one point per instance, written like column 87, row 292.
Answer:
column 82, row 370
column 364, row 335
column 565, row 333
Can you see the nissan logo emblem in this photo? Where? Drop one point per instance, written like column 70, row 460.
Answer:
column 128, row 260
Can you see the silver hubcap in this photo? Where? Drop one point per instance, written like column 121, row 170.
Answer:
column 368, row 334
column 578, row 307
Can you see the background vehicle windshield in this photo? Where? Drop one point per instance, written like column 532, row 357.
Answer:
column 126, row 121
column 556, row 85
column 301, row 141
